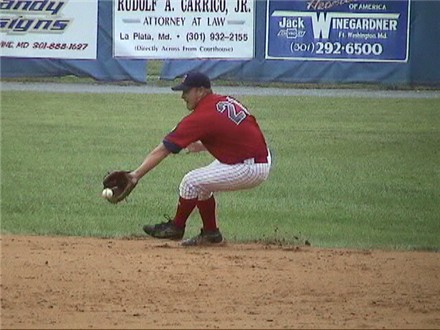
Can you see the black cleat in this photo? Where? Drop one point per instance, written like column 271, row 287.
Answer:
column 165, row 230
column 205, row 238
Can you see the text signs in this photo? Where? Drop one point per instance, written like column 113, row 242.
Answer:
column 49, row 28
column 183, row 29
column 341, row 30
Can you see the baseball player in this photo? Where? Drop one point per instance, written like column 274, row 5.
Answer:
column 225, row 128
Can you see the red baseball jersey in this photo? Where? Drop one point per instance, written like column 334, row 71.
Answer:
column 224, row 126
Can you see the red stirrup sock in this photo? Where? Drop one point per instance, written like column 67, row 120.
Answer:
column 207, row 213
column 184, row 209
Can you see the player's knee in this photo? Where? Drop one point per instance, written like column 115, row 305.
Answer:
column 188, row 187
column 204, row 195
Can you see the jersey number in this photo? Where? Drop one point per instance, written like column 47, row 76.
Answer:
column 235, row 111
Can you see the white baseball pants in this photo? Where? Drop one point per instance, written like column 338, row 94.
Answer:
column 201, row 183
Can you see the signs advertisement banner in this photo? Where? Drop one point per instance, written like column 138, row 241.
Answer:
column 64, row 29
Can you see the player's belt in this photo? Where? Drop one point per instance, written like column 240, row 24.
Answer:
column 258, row 160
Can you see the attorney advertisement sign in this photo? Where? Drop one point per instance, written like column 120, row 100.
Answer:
column 338, row 30
column 183, row 29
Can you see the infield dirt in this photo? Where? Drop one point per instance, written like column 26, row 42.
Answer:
column 69, row 282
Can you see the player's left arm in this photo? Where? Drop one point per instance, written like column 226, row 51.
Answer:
column 195, row 147
column 151, row 161
column 187, row 135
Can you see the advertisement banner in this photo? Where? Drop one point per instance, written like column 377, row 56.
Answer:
column 64, row 29
column 338, row 30
column 183, row 29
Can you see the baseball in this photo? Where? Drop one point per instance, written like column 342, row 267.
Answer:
column 107, row 193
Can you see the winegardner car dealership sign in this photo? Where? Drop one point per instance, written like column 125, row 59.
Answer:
column 49, row 28
column 344, row 30
column 179, row 29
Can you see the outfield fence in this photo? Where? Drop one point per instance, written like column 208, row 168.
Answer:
column 298, row 41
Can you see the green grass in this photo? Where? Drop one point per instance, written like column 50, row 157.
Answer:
column 347, row 172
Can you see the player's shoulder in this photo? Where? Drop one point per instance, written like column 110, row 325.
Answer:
column 222, row 97
column 216, row 98
column 210, row 101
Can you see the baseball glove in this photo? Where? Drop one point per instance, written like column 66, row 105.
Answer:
column 121, row 183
